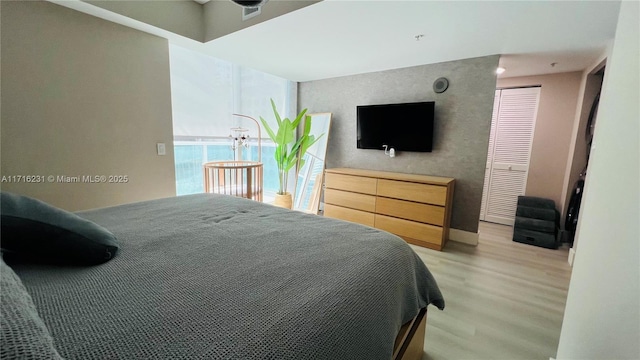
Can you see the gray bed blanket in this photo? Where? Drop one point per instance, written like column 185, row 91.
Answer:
column 218, row 277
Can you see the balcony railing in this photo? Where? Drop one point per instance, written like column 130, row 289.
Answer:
column 190, row 157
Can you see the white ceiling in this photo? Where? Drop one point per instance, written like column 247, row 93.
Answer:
column 343, row 37
column 336, row 37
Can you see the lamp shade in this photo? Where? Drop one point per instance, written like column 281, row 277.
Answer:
column 250, row 3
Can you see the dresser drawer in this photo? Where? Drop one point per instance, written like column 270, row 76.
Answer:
column 414, row 207
column 356, row 216
column 431, row 214
column 424, row 232
column 350, row 199
column 364, row 185
column 424, row 193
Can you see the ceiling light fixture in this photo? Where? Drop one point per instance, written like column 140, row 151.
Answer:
column 500, row 70
column 250, row 3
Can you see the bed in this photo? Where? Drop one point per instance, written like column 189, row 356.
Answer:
column 218, row 277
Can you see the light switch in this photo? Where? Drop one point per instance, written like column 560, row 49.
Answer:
column 161, row 149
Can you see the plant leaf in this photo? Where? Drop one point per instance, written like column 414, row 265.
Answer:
column 307, row 125
column 277, row 155
column 293, row 157
column 269, row 131
column 296, row 122
column 275, row 112
column 307, row 144
column 286, row 132
column 290, row 164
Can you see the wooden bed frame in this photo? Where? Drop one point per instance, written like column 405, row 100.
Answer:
column 409, row 344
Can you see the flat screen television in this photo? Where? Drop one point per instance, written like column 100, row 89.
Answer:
column 404, row 127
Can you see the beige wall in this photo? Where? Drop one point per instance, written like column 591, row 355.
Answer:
column 183, row 17
column 578, row 156
column 83, row 96
column 224, row 17
column 192, row 20
column 552, row 135
column 602, row 317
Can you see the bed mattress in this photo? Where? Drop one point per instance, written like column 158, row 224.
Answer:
column 217, row 277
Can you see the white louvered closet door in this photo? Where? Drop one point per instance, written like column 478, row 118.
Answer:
column 487, row 171
column 509, row 153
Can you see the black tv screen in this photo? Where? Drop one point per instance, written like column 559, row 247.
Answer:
column 404, row 127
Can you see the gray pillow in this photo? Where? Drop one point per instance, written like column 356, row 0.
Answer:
column 23, row 333
column 38, row 231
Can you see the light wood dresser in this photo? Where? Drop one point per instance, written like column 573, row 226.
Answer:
column 415, row 207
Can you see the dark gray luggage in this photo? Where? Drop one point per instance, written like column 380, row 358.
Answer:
column 536, row 222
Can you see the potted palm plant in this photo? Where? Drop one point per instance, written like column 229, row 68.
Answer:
column 289, row 149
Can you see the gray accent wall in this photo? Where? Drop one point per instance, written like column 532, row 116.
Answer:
column 461, row 129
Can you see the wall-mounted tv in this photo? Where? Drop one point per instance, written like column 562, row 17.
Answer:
column 404, row 127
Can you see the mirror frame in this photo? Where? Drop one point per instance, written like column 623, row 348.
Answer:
column 314, row 201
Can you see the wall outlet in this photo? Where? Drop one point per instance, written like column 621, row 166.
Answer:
column 162, row 150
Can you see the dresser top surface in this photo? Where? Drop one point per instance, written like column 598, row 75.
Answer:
column 425, row 179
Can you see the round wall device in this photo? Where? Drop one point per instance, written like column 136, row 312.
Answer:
column 440, row 85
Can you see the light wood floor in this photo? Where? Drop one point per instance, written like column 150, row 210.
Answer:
column 504, row 300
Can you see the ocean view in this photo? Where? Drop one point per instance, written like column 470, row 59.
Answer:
column 190, row 157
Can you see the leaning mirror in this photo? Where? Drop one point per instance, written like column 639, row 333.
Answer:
column 309, row 181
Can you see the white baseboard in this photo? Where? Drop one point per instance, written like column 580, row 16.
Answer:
column 572, row 254
column 465, row 237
